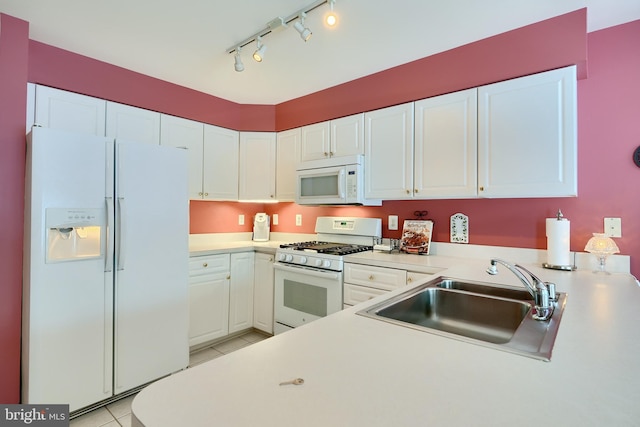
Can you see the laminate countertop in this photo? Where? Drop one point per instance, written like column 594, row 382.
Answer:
column 359, row 371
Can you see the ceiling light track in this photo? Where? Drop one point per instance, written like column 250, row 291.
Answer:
column 274, row 25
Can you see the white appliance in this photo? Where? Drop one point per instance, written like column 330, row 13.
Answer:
column 105, row 300
column 308, row 275
column 334, row 181
column 261, row 227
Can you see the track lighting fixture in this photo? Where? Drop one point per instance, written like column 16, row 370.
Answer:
column 280, row 23
column 238, row 65
column 258, row 55
column 305, row 32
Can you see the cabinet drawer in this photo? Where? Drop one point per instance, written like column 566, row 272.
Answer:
column 208, row 264
column 355, row 294
column 375, row 277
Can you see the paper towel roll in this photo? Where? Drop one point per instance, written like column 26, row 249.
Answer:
column 558, row 237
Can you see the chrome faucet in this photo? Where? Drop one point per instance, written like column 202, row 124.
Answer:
column 543, row 293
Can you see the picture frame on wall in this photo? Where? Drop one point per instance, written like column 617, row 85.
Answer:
column 416, row 237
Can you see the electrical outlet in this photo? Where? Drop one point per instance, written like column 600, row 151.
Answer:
column 274, row 219
column 298, row 220
column 240, row 219
column 393, row 222
column 613, row 227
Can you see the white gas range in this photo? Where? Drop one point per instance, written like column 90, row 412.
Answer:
column 308, row 275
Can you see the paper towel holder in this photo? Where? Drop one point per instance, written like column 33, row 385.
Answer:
column 560, row 217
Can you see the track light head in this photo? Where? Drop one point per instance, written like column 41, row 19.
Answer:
column 305, row 33
column 258, row 55
column 239, row 66
column 330, row 18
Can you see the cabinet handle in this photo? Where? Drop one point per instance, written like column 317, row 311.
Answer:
column 409, row 280
column 206, row 194
column 204, row 264
column 200, row 193
column 371, row 277
column 415, row 190
column 481, row 188
column 228, row 276
column 326, row 154
column 408, row 191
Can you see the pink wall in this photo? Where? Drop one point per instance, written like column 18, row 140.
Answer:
column 66, row 70
column 14, row 38
column 542, row 46
column 609, row 125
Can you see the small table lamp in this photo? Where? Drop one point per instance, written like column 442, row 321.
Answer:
column 601, row 246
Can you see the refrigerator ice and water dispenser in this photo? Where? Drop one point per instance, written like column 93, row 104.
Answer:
column 74, row 234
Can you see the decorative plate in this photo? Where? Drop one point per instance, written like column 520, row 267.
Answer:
column 459, row 228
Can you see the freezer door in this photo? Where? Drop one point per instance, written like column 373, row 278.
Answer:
column 67, row 295
column 151, row 263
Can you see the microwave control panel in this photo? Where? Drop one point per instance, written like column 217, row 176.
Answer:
column 352, row 184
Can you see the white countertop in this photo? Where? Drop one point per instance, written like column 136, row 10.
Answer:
column 361, row 371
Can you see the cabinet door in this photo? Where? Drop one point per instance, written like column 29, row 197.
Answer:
column 208, row 298
column 315, row 142
column 263, row 293
column 355, row 294
column 389, row 153
column 241, row 292
column 132, row 124
column 59, row 109
column 288, row 156
column 446, row 146
column 527, row 136
column 187, row 134
column 257, row 166
column 208, row 307
column 347, row 136
column 220, row 163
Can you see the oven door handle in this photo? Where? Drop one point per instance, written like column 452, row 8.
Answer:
column 314, row 273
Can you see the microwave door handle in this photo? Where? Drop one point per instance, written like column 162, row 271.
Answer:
column 341, row 184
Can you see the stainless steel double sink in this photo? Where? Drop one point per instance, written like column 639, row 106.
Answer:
column 481, row 313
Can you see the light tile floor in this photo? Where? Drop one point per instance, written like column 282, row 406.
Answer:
column 118, row 414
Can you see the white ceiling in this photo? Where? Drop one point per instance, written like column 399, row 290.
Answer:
column 185, row 41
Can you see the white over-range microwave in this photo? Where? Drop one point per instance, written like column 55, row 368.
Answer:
column 335, row 181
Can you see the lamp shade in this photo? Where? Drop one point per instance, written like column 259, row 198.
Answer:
column 601, row 245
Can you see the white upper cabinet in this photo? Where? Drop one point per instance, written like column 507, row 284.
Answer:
column 446, row 146
column 257, row 180
column 288, row 156
column 220, row 163
column 59, row 109
column 527, row 144
column 335, row 138
column 389, row 153
column 132, row 123
column 187, row 134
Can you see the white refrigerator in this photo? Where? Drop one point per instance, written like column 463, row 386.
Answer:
column 105, row 297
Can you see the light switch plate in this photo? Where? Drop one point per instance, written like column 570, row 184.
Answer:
column 613, row 227
column 298, row 220
column 240, row 219
column 393, row 222
column 274, row 219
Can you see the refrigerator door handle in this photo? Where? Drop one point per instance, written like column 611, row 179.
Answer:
column 108, row 265
column 120, row 254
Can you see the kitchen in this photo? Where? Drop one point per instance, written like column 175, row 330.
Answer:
column 601, row 123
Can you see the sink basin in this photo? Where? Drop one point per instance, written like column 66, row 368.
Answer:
column 476, row 312
column 484, row 289
column 488, row 319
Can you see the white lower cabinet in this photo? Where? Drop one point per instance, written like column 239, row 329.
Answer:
column 241, row 292
column 208, row 298
column 220, row 296
column 364, row 282
column 263, row 293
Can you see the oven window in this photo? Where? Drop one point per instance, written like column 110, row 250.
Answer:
column 305, row 298
column 314, row 186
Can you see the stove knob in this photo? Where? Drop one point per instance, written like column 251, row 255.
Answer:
column 288, row 258
column 281, row 257
column 303, row 260
column 318, row 263
column 326, row 264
